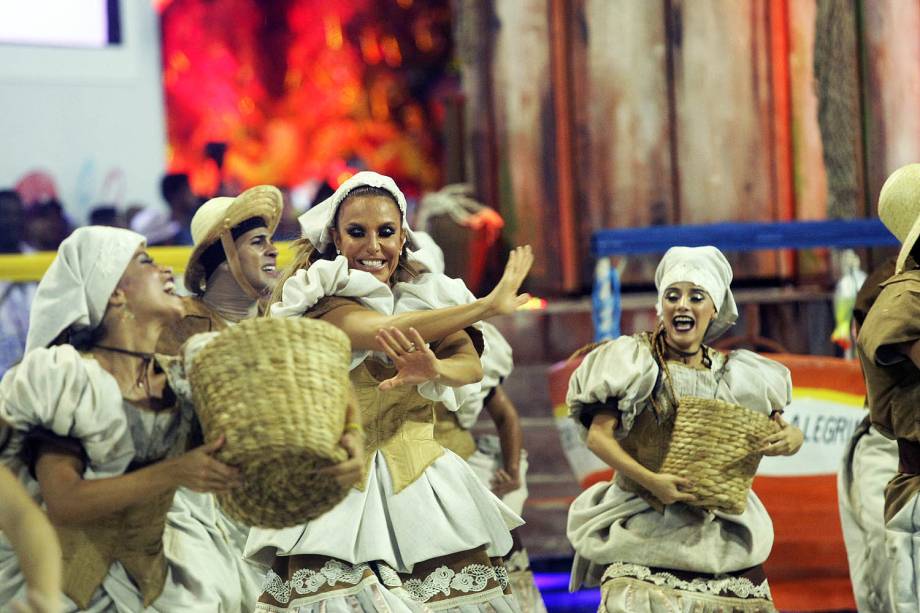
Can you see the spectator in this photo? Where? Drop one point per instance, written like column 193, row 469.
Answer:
column 107, row 215
column 12, row 222
column 46, row 225
column 156, row 226
column 15, row 298
column 177, row 192
column 133, row 209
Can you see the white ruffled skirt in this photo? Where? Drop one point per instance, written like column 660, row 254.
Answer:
column 375, row 533
column 607, row 524
column 446, row 510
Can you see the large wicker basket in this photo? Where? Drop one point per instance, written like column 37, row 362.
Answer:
column 714, row 445
column 277, row 390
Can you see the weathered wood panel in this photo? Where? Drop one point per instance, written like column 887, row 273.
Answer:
column 474, row 23
column 724, row 117
column 524, row 128
column 810, row 176
column 891, row 39
column 627, row 176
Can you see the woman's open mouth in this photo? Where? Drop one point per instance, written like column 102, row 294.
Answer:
column 683, row 323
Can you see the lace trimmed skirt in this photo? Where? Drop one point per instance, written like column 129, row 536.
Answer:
column 465, row 581
column 635, row 588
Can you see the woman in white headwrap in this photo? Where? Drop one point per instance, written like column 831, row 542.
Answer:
column 98, row 436
column 419, row 531
column 635, row 536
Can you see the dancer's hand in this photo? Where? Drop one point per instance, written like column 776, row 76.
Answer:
column 785, row 442
column 414, row 360
column 200, row 472
column 37, row 602
column 504, row 298
column 504, row 482
column 667, row 488
column 350, row 471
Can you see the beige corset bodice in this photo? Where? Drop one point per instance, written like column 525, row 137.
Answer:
column 399, row 423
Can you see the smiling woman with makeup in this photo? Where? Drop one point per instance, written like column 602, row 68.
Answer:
column 99, row 437
column 637, row 536
column 417, row 529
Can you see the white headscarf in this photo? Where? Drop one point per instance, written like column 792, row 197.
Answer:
column 75, row 289
column 707, row 268
column 317, row 223
column 429, row 256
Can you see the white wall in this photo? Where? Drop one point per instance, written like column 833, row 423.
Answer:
column 87, row 114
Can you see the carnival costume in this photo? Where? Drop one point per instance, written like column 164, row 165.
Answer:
column 869, row 463
column 130, row 560
column 207, row 528
column 420, row 532
column 678, row 557
column 893, row 383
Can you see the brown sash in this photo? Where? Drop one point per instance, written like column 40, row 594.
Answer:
column 133, row 537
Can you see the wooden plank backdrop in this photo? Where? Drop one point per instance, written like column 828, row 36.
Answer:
column 627, row 174
column 891, row 38
column 807, row 165
column 525, row 131
column 724, row 122
column 687, row 111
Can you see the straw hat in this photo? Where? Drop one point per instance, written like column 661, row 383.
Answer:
column 214, row 221
column 899, row 209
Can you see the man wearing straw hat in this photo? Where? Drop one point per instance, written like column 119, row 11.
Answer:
column 231, row 268
column 889, row 350
column 233, row 262
column 232, row 265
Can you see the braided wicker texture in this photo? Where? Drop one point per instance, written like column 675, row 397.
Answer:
column 714, row 445
column 277, row 390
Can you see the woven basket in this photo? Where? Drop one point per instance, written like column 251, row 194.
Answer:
column 277, row 390
column 714, row 445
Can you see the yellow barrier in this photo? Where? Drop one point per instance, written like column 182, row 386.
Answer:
column 31, row 266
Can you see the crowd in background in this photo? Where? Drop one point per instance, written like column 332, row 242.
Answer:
column 36, row 220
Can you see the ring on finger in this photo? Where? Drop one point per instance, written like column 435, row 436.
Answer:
column 411, row 348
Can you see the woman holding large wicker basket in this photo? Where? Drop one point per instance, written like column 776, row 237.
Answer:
column 419, row 531
column 100, row 438
column 684, row 427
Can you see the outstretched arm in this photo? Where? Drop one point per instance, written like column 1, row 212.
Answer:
column 34, row 540
column 362, row 325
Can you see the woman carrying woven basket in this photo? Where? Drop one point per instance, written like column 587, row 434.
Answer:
column 98, row 436
column 663, row 402
column 419, row 530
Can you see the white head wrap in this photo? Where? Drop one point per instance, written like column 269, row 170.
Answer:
column 429, row 256
column 76, row 288
column 707, row 268
column 317, row 223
